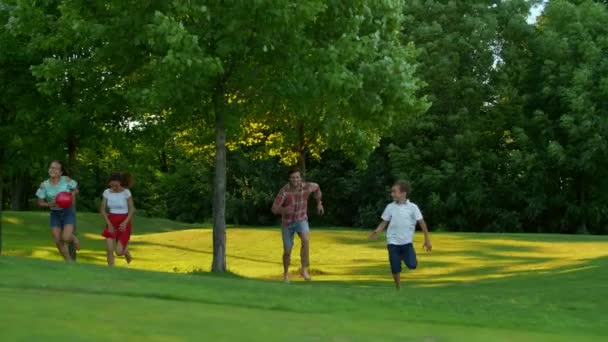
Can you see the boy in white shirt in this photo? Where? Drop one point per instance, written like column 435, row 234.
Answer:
column 401, row 216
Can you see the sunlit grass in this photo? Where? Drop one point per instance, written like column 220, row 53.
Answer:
column 336, row 254
column 473, row 287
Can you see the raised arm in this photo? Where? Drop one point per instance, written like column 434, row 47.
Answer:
column 277, row 206
column 378, row 230
column 316, row 189
column 41, row 194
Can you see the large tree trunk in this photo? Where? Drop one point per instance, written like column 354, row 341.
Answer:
column 219, row 193
column 582, row 203
column 301, row 149
column 72, row 154
column 164, row 164
column 17, row 192
column 73, row 171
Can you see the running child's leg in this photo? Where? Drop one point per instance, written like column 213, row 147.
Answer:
column 67, row 235
column 397, row 279
column 409, row 257
column 110, row 251
column 69, row 226
column 122, row 240
column 63, row 249
column 128, row 256
column 123, row 250
column 120, row 250
column 395, row 257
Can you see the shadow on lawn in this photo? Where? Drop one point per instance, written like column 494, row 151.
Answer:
column 199, row 251
column 474, row 259
column 458, row 258
column 454, row 239
column 25, row 232
column 575, row 277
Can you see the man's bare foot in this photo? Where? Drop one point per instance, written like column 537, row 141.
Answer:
column 286, row 278
column 76, row 242
column 305, row 274
column 128, row 258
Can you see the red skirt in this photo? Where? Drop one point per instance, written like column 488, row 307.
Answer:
column 123, row 236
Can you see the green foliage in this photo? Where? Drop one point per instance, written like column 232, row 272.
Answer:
column 352, row 196
column 187, row 192
column 253, row 186
column 559, row 147
column 343, row 72
column 447, row 152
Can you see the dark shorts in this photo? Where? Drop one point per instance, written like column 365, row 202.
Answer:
column 398, row 253
column 61, row 217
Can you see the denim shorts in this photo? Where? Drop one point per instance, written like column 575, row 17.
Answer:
column 291, row 230
column 398, row 253
column 61, row 217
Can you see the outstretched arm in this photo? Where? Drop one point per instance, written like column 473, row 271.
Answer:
column 427, row 238
column 379, row 229
column 41, row 193
column 316, row 189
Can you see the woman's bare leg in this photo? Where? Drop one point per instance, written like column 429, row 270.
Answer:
column 120, row 250
column 61, row 246
column 68, row 236
column 110, row 251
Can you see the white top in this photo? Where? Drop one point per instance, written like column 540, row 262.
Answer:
column 402, row 220
column 117, row 201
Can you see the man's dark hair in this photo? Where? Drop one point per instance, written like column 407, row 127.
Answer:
column 404, row 186
column 294, row 170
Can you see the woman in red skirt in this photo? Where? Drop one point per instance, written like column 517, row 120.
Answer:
column 117, row 209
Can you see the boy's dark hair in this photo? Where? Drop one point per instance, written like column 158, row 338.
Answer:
column 64, row 171
column 125, row 179
column 294, row 170
column 404, row 186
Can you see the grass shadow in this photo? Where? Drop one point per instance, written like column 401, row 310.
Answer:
column 198, row 251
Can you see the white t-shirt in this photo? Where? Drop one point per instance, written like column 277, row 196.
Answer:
column 117, row 201
column 402, row 220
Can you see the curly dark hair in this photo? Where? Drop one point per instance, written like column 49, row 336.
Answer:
column 124, row 178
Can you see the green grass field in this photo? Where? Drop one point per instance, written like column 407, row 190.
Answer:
column 473, row 287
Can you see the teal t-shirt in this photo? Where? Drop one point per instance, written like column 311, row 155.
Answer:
column 48, row 192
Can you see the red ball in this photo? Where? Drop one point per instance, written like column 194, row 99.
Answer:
column 64, row 200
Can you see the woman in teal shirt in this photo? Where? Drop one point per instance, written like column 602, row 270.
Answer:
column 62, row 220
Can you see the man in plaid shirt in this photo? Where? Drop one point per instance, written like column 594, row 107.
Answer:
column 292, row 204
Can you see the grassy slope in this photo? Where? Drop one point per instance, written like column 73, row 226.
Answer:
column 474, row 286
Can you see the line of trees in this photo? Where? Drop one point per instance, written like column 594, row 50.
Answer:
column 500, row 124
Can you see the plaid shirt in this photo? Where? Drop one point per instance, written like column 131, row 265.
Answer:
column 297, row 202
